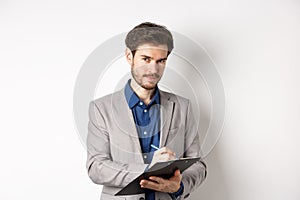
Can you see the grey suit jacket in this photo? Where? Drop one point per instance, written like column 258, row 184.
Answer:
column 114, row 151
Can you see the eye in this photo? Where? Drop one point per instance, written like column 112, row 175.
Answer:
column 146, row 59
column 162, row 61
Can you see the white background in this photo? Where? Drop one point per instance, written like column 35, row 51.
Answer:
column 256, row 48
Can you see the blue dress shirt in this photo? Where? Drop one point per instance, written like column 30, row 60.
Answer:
column 147, row 121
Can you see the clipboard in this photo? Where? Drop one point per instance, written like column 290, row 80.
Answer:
column 160, row 169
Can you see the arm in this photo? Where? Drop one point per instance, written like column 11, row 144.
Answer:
column 193, row 176
column 188, row 181
column 102, row 169
column 196, row 174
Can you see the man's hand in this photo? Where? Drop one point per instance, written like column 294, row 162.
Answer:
column 170, row 185
column 161, row 155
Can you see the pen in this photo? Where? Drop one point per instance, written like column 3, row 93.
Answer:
column 155, row 147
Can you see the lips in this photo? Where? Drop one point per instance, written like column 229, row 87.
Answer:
column 151, row 78
column 151, row 75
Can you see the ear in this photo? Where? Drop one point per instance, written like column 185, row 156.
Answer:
column 129, row 56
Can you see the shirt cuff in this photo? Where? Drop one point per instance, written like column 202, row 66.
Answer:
column 175, row 195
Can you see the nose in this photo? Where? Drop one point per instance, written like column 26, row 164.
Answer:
column 153, row 68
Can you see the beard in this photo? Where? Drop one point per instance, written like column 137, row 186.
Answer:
column 146, row 86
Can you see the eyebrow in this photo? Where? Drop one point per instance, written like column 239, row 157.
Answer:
column 145, row 56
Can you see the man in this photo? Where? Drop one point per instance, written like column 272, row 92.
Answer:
column 126, row 127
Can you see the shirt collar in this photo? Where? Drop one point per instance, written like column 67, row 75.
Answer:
column 132, row 99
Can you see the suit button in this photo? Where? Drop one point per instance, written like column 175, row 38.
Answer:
column 142, row 198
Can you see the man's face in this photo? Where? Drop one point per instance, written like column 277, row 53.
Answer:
column 148, row 64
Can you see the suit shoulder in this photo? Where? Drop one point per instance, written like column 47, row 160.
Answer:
column 107, row 99
column 174, row 97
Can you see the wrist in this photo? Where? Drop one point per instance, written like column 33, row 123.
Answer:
column 179, row 191
column 177, row 188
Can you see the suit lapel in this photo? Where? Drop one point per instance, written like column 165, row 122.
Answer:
column 128, row 124
column 166, row 115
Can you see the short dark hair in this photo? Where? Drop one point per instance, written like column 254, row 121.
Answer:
column 148, row 32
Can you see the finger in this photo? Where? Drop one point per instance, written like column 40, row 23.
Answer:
column 164, row 157
column 142, row 182
column 177, row 176
column 157, row 179
column 177, row 173
column 165, row 150
column 149, row 184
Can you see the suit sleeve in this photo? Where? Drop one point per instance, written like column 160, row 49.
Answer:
column 100, row 166
column 196, row 174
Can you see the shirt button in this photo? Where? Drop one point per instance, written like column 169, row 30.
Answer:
column 145, row 110
column 141, row 103
column 145, row 133
column 145, row 156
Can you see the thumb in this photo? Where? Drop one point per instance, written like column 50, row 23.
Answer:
column 177, row 172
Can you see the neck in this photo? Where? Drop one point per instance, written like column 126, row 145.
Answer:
column 144, row 94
